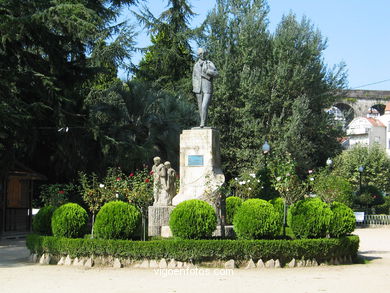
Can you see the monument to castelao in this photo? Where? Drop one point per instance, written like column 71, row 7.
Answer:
column 200, row 161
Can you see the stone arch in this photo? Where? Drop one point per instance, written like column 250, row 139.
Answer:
column 347, row 110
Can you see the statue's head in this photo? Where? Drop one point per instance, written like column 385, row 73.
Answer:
column 167, row 164
column 202, row 53
column 157, row 160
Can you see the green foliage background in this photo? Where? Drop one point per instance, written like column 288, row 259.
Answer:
column 64, row 110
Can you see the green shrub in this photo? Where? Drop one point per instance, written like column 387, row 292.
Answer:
column 69, row 220
column 343, row 220
column 310, row 218
column 232, row 205
column 383, row 208
column 42, row 220
column 370, row 196
column 278, row 204
column 256, row 219
column 193, row 219
column 117, row 220
column 198, row 250
column 333, row 188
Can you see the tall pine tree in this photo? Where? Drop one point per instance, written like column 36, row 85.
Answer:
column 167, row 63
column 49, row 57
column 272, row 87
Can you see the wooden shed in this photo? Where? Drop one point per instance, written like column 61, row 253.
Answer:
column 16, row 194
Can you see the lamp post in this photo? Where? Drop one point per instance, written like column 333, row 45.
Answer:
column 329, row 163
column 265, row 148
column 360, row 169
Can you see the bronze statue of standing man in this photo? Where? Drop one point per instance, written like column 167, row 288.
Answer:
column 202, row 82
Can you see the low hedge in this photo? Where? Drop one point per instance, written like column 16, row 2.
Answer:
column 198, row 250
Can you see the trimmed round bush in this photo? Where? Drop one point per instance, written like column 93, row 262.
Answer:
column 193, row 219
column 69, row 220
column 255, row 219
column 233, row 203
column 42, row 220
column 117, row 220
column 343, row 220
column 310, row 218
column 278, row 204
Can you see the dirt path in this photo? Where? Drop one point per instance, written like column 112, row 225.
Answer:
column 18, row 276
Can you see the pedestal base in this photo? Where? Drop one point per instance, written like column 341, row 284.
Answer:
column 200, row 165
column 158, row 217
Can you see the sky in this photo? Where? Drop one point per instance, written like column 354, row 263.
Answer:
column 357, row 33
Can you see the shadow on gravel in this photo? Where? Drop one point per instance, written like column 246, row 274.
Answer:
column 13, row 253
column 365, row 257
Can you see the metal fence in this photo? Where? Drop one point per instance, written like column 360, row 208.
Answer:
column 376, row 220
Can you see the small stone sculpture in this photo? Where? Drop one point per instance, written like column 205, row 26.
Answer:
column 159, row 180
column 164, row 188
column 171, row 182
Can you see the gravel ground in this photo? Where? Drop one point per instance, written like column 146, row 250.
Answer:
column 17, row 275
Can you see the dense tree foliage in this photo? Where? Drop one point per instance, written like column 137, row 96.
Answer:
column 50, row 53
column 167, row 62
column 63, row 109
column 132, row 123
column 373, row 159
column 272, row 86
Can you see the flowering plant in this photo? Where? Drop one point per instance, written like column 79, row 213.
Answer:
column 246, row 186
column 57, row 194
column 286, row 181
column 137, row 188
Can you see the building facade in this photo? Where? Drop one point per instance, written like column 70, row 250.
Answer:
column 370, row 130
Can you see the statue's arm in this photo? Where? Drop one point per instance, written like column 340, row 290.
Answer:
column 211, row 69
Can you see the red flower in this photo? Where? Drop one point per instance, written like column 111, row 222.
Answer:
column 151, row 172
column 131, row 175
column 118, row 178
column 61, row 192
column 147, row 180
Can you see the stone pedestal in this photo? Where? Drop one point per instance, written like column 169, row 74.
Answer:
column 158, row 216
column 200, row 165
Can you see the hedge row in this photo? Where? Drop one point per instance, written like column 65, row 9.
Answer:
column 198, row 250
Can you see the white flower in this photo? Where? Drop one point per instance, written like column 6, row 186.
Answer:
column 258, row 180
column 253, row 175
column 241, row 182
column 311, row 179
column 116, row 195
column 250, row 188
column 278, row 178
column 248, row 181
column 288, row 174
column 310, row 171
column 236, row 179
column 101, row 185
